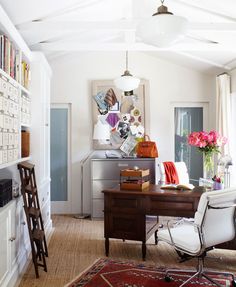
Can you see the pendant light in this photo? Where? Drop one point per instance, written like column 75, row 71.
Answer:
column 127, row 82
column 164, row 28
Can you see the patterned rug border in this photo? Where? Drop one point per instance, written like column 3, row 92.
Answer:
column 105, row 260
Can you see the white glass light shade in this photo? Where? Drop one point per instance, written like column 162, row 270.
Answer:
column 101, row 131
column 163, row 30
column 127, row 83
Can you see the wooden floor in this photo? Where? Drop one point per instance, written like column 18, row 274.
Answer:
column 76, row 244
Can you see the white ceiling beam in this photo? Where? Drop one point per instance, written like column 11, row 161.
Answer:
column 203, row 60
column 218, row 27
column 130, row 37
column 209, row 10
column 120, row 25
column 231, row 63
column 94, row 46
column 128, row 12
column 80, row 4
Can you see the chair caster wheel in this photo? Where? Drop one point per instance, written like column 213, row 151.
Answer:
column 233, row 283
column 167, row 279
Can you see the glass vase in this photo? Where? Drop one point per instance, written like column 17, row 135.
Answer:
column 208, row 165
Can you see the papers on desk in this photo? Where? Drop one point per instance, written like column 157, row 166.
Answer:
column 112, row 154
column 187, row 186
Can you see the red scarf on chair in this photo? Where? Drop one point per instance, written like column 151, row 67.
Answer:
column 171, row 173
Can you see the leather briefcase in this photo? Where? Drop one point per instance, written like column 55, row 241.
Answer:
column 147, row 148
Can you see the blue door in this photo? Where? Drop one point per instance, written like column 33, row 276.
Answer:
column 187, row 120
column 59, row 156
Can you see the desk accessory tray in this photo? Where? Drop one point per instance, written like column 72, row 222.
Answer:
column 132, row 179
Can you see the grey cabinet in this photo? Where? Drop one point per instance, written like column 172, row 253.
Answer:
column 105, row 174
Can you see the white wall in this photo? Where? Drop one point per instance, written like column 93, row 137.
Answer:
column 71, row 83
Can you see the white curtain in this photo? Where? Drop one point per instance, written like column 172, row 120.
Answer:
column 223, row 110
column 232, row 141
column 225, row 120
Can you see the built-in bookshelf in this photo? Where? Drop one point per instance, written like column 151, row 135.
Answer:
column 24, row 105
column 12, row 63
column 15, row 97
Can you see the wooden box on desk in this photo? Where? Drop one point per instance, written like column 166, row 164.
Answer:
column 132, row 179
column 134, row 186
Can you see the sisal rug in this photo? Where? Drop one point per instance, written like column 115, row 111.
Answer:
column 114, row 273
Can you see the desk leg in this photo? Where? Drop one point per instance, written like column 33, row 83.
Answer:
column 107, row 246
column 144, row 250
column 156, row 237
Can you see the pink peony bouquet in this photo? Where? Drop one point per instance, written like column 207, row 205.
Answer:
column 207, row 142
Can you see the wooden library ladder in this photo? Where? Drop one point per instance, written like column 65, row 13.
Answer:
column 33, row 216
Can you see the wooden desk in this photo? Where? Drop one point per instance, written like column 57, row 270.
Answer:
column 125, row 212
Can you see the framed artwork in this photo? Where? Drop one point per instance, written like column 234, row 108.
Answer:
column 126, row 115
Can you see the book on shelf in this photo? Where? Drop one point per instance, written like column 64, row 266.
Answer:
column 25, row 74
column 17, row 66
column 186, row 186
column 10, row 61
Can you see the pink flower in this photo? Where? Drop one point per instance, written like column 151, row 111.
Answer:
column 202, row 144
column 193, row 138
column 212, row 137
column 211, row 141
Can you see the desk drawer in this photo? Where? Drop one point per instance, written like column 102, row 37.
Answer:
column 110, row 169
column 171, row 207
column 125, row 226
column 124, row 204
column 99, row 185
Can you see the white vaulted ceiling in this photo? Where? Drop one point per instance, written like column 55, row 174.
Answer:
column 61, row 26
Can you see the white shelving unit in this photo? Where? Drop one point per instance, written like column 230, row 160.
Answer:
column 14, row 99
column 32, row 113
column 4, row 165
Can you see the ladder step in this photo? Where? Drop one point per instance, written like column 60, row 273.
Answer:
column 34, row 212
column 30, row 189
column 38, row 234
column 26, row 165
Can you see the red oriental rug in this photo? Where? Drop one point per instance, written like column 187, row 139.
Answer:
column 114, row 273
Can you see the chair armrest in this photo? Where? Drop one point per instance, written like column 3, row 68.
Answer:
column 184, row 221
column 221, row 207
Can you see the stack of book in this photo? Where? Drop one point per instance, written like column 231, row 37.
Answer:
column 9, row 58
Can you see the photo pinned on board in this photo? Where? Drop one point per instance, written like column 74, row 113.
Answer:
column 128, row 145
column 123, row 128
column 106, row 101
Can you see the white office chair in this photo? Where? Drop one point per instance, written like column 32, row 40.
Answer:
column 214, row 223
column 181, row 169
